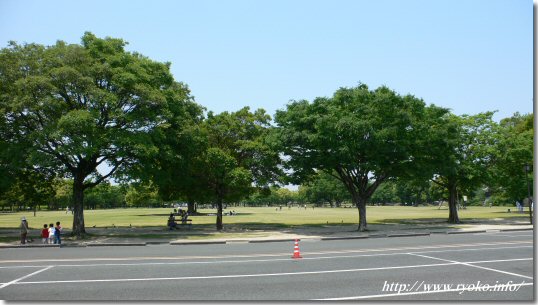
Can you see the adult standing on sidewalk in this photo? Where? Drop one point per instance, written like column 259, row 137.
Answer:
column 24, row 230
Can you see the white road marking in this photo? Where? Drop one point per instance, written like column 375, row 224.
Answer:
column 238, row 275
column 264, row 260
column 470, row 265
column 24, row 277
column 264, row 274
column 473, row 249
column 269, row 254
column 403, row 294
column 268, row 274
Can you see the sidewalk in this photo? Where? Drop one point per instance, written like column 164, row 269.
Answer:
column 159, row 235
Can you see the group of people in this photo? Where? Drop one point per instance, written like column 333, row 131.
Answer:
column 172, row 219
column 50, row 234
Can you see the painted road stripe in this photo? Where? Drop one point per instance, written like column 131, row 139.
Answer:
column 404, row 294
column 269, row 254
column 264, row 260
column 236, row 275
column 265, row 274
column 24, row 277
column 469, row 264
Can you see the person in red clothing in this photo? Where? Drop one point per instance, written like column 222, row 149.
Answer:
column 45, row 234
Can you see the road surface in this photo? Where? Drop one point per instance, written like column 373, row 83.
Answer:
column 473, row 266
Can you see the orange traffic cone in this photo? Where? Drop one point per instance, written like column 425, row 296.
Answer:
column 296, row 252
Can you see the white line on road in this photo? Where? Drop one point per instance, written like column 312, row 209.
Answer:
column 264, row 260
column 269, row 254
column 470, row 265
column 405, row 293
column 24, row 277
column 267, row 274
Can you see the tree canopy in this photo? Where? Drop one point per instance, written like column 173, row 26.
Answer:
column 238, row 158
column 78, row 115
column 82, row 106
column 462, row 151
column 360, row 136
column 513, row 150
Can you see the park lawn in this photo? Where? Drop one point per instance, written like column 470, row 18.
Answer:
column 256, row 217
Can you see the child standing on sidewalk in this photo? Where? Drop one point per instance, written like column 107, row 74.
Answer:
column 45, row 234
column 51, row 234
column 57, row 233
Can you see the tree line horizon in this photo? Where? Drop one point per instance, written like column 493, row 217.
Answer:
column 68, row 108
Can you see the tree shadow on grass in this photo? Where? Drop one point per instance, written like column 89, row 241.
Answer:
column 197, row 214
column 444, row 221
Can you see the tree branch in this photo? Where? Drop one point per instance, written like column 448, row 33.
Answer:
column 102, row 178
column 439, row 183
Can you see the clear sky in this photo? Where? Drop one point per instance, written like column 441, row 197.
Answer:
column 467, row 55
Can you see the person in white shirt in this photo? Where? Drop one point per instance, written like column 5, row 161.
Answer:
column 52, row 239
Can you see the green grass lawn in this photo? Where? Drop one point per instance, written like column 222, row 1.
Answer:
column 255, row 217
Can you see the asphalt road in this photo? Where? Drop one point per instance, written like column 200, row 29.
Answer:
column 479, row 266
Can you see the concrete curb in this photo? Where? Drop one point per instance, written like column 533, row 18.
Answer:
column 157, row 242
column 244, row 241
column 115, row 244
column 73, row 246
column 273, row 240
column 464, row 232
column 345, row 237
column 514, row 230
column 409, row 234
column 438, row 232
column 29, row 246
column 177, row 243
column 377, row 235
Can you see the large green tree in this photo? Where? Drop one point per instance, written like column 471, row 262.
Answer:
column 238, row 157
column 82, row 106
column 513, row 150
column 462, row 148
column 362, row 137
column 173, row 171
column 324, row 188
column 29, row 189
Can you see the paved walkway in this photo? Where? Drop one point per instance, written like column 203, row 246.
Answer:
column 160, row 235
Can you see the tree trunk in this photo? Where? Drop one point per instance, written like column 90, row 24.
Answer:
column 361, row 206
column 78, row 206
column 219, row 214
column 452, row 202
column 418, row 201
column 191, row 207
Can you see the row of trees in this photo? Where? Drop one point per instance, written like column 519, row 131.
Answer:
column 323, row 190
column 68, row 110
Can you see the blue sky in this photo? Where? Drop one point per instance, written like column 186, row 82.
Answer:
column 467, row 55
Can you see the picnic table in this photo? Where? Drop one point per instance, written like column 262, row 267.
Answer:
column 184, row 221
